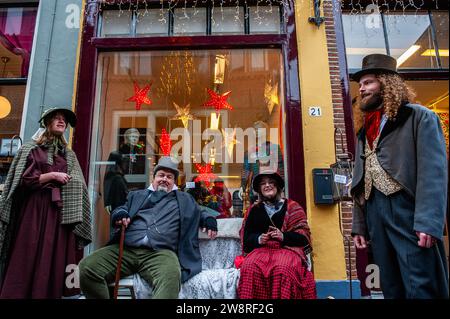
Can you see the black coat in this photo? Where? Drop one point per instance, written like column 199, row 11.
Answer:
column 191, row 218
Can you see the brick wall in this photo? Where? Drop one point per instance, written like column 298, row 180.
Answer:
column 338, row 110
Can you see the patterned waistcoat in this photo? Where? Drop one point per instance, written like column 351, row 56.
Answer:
column 375, row 175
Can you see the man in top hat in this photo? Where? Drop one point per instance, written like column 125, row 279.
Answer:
column 45, row 217
column 399, row 184
column 161, row 238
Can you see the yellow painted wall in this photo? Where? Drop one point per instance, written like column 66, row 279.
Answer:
column 318, row 141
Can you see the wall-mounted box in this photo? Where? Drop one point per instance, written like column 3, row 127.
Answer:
column 323, row 185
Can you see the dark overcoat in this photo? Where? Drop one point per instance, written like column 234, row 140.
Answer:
column 412, row 151
column 191, row 218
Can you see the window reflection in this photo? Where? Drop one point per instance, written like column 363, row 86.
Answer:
column 440, row 20
column 16, row 39
column 217, row 111
column 363, row 36
column 409, row 36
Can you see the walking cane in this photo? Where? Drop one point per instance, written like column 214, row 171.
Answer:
column 119, row 262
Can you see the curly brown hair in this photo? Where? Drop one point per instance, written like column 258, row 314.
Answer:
column 394, row 92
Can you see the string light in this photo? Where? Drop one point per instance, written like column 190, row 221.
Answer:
column 166, row 6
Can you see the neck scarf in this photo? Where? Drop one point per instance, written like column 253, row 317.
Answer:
column 372, row 124
column 273, row 208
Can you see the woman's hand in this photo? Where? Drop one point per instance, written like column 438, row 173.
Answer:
column 275, row 233
column 62, row 178
column 263, row 238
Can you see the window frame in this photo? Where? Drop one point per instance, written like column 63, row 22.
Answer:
column 92, row 45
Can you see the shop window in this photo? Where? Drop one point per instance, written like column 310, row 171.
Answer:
column 228, row 20
column 153, row 22
column 410, row 38
column 417, row 39
column 116, row 23
column 16, row 40
column 189, row 21
column 264, row 19
column 217, row 148
column 440, row 21
column 363, row 35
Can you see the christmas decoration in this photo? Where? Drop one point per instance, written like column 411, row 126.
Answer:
column 205, row 174
column 140, row 96
column 271, row 96
column 165, row 143
column 183, row 114
column 215, row 118
column 229, row 141
column 218, row 101
column 178, row 74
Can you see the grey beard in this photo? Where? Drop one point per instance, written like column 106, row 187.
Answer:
column 371, row 104
column 162, row 188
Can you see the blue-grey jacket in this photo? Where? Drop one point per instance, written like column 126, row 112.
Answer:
column 191, row 218
column 412, row 151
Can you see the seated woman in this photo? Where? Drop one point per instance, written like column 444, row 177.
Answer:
column 275, row 234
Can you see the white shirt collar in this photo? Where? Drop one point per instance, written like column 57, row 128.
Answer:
column 174, row 188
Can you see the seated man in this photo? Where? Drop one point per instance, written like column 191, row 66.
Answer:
column 275, row 236
column 161, row 239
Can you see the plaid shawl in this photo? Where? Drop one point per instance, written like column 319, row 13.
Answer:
column 295, row 220
column 76, row 205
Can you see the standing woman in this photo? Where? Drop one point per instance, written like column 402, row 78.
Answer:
column 275, row 237
column 44, row 215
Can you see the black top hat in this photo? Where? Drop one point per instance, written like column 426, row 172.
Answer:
column 70, row 116
column 376, row 64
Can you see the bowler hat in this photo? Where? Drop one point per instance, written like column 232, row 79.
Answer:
column 376, row 64
column 70, row 116
column 167, row 162
column 272, row 174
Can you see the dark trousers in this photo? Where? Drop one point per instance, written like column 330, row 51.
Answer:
column 406, row 270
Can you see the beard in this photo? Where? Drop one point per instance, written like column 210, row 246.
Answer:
column 163, row 188
column 371, row 102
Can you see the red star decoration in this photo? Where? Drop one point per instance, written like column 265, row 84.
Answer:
column 165, row 143
column 205, row 174
column 140, row 96
column 218, row 101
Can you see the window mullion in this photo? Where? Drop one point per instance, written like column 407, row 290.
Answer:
column 434, row 39
column 386, row 39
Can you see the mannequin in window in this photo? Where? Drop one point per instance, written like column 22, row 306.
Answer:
column 115, row 187
column 266, row 156
column 131, row 147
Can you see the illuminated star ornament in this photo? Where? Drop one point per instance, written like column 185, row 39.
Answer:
column 229, row 140
column 271, row 96
column 205, row 174
column 183, row 114
column 165, row 143
column 218, row 101
column 140, row 96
